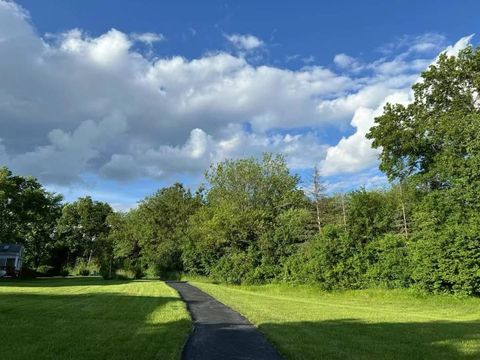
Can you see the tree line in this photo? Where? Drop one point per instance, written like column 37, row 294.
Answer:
column 254, row 222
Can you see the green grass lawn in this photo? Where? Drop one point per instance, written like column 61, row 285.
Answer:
column 306, row 323
column 90, row 318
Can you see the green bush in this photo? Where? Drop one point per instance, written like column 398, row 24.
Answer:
column 448, row 261
column 83, row 268
column 331, row 259
column 64, row 272
column 46, row 270
column 388, row 262
column 152, row 273
column 107, row 269
column 125, row 274
column 235, row 268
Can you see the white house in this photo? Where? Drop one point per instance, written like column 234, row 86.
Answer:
column 11, row 257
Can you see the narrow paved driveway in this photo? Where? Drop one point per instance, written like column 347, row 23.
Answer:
column 219, row 332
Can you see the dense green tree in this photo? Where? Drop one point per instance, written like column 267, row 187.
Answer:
column 434, row 143
column 124, row 239
column 28, row 215
column 251, row 216
column 369, row 215
column 435, row 136
column 165, row 217
column 253, row 223
column 82, row 229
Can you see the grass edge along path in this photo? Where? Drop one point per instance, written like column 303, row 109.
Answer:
column 91, row 318
column 304, row 322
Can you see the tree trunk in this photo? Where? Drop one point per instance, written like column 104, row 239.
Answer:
column 404, row 215
column 90, row 257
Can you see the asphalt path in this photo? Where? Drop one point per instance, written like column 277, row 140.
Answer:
column 219, row 332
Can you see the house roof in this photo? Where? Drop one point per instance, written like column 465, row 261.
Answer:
column 10, row 248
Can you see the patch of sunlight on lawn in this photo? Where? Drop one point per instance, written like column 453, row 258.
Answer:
column 90, row 318
column 307, row 323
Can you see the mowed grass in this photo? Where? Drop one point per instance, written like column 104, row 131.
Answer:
column 91, row 319
column 305, row 323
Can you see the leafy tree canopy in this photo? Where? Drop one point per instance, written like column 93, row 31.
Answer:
column 436, row 136
column 28, row 215
column 82, row 227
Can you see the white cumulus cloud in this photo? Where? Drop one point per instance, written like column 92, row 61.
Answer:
column 72, row 104
column 355, row 153
column 244, row 42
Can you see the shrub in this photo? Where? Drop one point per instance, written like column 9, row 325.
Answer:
column 448, row 260
column 83, row 268
column 152, row 273
column 64, row 272
column 388, row 262
column 108, row 270
column 331, row 259
column 235, row 268
column 125, row 274
column 46, row 270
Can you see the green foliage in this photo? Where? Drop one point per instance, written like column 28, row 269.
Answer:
column 235, row 268
column 46, row 270
column 83, row 268
column 82, row 229
column 369, row 215
column 331, row 259
column 64, row 272
column 150, row 238
column 434, row 143
column 253, row 216
column 125, row 274
column 439, row 127
column 123, row 243
column 28, row 215
column 448, row 260
column 254, row 224
column 389, row 262
column 164, row 217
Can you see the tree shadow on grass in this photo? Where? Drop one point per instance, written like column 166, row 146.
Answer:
column 58, row 282
column 354, row 339
column 91, row 326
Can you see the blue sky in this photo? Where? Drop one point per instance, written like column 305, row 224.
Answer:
column 115, row 99
column 309, row 28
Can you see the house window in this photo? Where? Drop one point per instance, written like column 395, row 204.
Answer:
column 3, row 262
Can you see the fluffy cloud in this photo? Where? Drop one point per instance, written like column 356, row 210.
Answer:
column 72, row 104
column 69, row 153
column 344, row 61
column 244, row 42
column 355, row 153
column 201, row 149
